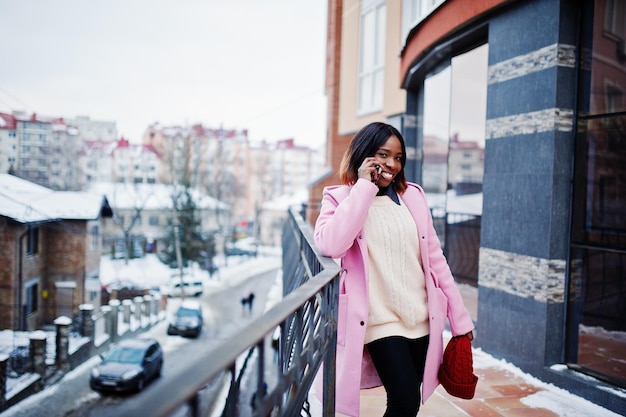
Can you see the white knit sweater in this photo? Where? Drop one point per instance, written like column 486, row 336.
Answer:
column 397, row 292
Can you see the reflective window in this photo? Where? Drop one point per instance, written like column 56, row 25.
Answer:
column 597, row 280
column 453, row 156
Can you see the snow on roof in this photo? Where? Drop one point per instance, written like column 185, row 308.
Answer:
column 7, row 121
column 26, row 202
column 148, row 196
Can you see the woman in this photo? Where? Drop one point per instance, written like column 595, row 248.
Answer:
column 396, row 287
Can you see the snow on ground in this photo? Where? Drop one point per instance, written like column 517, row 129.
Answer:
column 553, row 398
column 150, row 272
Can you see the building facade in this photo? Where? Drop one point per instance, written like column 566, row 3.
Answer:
column 48, row 150
column 49, row 252
column 514, row 113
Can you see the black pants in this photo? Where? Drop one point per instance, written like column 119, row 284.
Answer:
column 400, row 365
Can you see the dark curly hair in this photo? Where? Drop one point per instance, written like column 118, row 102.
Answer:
column 365, row 144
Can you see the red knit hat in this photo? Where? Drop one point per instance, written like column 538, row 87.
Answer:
column 456, row 373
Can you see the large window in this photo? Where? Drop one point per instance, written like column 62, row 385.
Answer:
column 597, row 275
column 453, row 143
column 414, row 11
column 372, row 56
column 31, row 301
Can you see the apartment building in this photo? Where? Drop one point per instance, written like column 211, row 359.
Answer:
column 49, row 252
column 513, row 113
column 44, row 149
column 227, row 166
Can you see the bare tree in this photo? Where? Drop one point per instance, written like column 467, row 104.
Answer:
column 126, row 224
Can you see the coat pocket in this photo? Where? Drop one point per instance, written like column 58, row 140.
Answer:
column 437, row 310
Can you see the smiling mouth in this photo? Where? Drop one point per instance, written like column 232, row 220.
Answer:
column 386, row 175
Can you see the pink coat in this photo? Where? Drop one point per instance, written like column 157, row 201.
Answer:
column 339, row 234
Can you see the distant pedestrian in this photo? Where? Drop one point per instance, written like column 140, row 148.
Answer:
column 244, row 301
column 250, row 301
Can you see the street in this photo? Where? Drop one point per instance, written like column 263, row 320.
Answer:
column 223, row 313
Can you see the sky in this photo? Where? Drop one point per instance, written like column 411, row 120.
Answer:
column 238, row 64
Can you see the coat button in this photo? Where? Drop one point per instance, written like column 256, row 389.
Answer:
column 362, row 323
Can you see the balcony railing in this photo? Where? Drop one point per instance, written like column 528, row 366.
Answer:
column 307, row 318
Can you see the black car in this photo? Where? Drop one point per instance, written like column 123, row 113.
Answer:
column 128, row 366
column 187, row 321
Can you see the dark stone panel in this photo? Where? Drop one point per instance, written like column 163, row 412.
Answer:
column 561, row 217
column 522, row 154
column 512, row 328
column 524, row 27
column 566, row 88
column 528, row 93
column 527, row 194
column 555, row 333
column 516, row 214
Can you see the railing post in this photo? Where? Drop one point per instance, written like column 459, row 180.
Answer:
column 138, row 301
column 330, row 301
column 37, row 354
column 147, row 307
column 4, row 359
column 87, row 325
column 115, row 312
column 62, row 324
column 126, row 307
column 106, row 316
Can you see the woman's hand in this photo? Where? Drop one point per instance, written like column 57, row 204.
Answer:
column 369, row 169
column 470, row 335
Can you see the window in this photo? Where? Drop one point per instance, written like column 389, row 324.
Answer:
column 597, row 282
column 414, row 11
column 32, row 243
column 153, row 220
column 453, row 142
column 372, row 56
column 31, row 300
column 94, row 236
column 615, row 18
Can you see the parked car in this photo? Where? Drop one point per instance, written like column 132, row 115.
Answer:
column 121, row 290
column 128, row 366
column 190, row 286
column 187, row 321
column 242, row 247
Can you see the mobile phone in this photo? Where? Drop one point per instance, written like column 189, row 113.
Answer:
column 378, row 171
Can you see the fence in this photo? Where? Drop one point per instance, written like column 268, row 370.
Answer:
column 307, row 318
column 25, row 363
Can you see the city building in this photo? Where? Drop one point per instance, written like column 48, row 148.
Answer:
column 227, row 166
column 8, row 143
column 144, row 212
column 514, row 116
column 49, row 252
column 44, row 149
column 89, row 129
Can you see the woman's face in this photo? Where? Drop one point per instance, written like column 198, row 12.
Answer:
column 389, row 157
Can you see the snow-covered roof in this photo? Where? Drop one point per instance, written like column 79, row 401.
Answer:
column 26, row 202
column 128, row 196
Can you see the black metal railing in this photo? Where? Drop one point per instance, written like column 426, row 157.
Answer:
column 307, row 318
